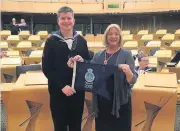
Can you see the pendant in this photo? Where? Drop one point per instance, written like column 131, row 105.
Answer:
column 105, row 62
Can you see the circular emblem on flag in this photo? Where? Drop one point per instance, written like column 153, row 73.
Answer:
column 89, row 76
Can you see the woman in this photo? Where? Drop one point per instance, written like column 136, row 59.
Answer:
column 143, row 61
column 140, row 51
column 114, row 54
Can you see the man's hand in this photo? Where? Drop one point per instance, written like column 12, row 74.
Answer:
column 78, row 58
column 70, row 63
column 68, row 91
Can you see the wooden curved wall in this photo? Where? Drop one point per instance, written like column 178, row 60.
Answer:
column 86, row 8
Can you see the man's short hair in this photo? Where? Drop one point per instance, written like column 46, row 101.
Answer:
column 65, row 9
column 3, row 49
column 140, row 56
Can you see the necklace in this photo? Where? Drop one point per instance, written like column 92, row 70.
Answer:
column 106, row 59
column 105, row 56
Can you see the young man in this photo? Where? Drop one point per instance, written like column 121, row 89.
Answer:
column 66, row 104
column 3, row 53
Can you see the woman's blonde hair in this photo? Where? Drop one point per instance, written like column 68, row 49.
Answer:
column 107, row 31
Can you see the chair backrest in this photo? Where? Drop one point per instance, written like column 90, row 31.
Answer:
column 176, row 58
column 25, row 68
column 162, row 31
column 90, row 37
column 126, row 32
column 153, row 51
column 143, row 32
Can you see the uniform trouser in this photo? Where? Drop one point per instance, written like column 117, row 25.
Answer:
column 67, row 112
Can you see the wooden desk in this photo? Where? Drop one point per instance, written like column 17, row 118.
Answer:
column 126, row 32
column 152, row 45
column 143, row 104
column 178, row 65
column 159, row 34
column 13, row 40
column 8, row 73
column 163, row 55
column 43, row 34
column 38, row 96
column 175, row 70
column 178, row 93
column 145, row 38
column 31, row 60
column 6, row 89
column 144, row 99
column 128, row 37
column 175, row 45
column 24, row 34
column 20, row 81
column 23, row 46
column 4, row 34
column 167, row 40
column 34, row 58
column 18, row 111
column 96, row 46
column 8, row 69
column 34, row 39
column 3, row 45
column 130, row 45
column 153, row 61
column 41, row 47
column 13, row 53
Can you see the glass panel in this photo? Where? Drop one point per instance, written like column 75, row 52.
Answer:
column 97, row 28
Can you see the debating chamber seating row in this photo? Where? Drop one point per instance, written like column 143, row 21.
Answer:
column 22, row 80
column 142, row 39
column 160, row 39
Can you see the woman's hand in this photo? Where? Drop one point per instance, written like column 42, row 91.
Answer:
column 126, row 69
